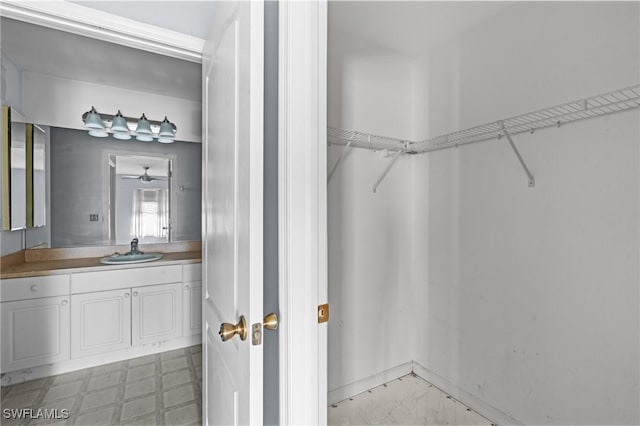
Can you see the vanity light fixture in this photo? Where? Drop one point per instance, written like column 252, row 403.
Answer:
column 124, row 128
column 92, row 120
column 120, row 128
column 97, row 133
column 143, row 130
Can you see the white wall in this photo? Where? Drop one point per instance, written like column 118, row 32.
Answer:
column 60, row 102
column 11, row 84
column 526, row 298
column 531, row 294
column 369, row 89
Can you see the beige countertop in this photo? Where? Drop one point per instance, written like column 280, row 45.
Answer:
column 65, row 266
column 32, row 263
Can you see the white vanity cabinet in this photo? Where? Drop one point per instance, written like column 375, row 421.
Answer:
column 68, row 321
column 192, row 299
column 156, row 313
column 122, row 308
column 100, row 322
column 35, row 321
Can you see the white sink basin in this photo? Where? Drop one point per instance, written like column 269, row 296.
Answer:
column 120, row 259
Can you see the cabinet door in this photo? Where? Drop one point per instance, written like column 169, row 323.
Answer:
column 100, row 322
column 34, row 332
column 192, row 308
column 156, row 313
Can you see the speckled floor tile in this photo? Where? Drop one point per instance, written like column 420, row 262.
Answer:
column 160, row 389
column 409, row 400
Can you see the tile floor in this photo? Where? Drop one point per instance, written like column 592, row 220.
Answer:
column 409, row 400
column 160, row 389
column 164, row 389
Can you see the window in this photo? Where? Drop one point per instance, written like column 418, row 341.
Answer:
column 150, row 215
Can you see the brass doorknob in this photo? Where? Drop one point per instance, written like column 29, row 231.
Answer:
column 227, row 331
column 271, row 321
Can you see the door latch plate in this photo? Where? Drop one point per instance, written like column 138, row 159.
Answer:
column 256, row 334
column 323, row 313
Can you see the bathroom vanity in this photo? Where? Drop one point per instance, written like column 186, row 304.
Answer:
column 63, row 314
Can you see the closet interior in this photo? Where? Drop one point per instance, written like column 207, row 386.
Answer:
column 504, row 273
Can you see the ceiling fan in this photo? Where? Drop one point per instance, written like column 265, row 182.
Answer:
column 144, row 178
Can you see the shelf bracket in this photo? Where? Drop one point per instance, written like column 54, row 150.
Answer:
column 343, row 155
column 386, row 170
column 532, row 180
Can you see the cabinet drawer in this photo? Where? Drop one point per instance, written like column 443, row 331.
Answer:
column 192, row 272
column 87, row 282
column 34, row 287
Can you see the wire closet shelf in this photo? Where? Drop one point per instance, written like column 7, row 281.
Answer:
column 595, row 106
column 591, row 107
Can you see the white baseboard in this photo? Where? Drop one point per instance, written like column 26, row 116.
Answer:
column 464, row 397
column 25, row 374
column 344, row 392
column 471, row 401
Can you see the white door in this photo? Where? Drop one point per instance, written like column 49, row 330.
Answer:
column 233, row 201
column 100, row 322
column 156, row 313
column 35, row 332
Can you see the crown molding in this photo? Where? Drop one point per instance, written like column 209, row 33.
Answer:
column 88, row 22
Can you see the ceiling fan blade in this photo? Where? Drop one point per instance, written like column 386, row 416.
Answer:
column 130, row 177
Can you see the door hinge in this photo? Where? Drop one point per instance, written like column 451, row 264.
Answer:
column 323, row 313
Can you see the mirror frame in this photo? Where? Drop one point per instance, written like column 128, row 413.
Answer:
column 6, row 168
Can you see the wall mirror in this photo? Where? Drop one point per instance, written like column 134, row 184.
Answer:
column 105, row 191
column 36, row 176
column 18, row 176
column 24, row 167
column 14, row 200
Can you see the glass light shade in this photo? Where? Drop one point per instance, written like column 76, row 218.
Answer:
column 122, row 136
column 93, row 120
column 144, row 127
column 144, row 138
column 119, row 124
column 98, row 133
column 165, row 140
column 166, row 130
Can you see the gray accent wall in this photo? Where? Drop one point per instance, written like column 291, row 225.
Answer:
column 271, row 338
column 78, row 171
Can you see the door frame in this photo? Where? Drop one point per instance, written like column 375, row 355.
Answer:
column 302, row 210
column 301, row 182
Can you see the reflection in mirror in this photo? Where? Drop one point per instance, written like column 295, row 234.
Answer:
column 86, row 212
column 18, row 176
column 36, row 176
column 139, row 199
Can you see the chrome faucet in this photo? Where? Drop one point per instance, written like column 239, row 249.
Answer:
column 134, row 248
